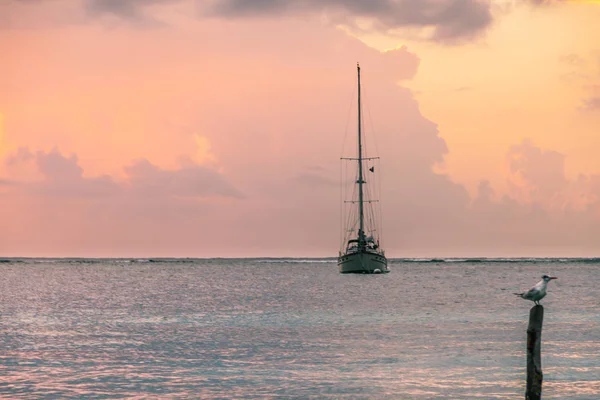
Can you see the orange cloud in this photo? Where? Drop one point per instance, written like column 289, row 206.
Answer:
column 204, row 154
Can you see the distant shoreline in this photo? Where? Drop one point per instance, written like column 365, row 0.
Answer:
column 306, row 260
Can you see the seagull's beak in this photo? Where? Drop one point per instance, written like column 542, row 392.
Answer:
column 553, row 277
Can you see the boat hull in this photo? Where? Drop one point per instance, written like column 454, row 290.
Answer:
column 362, row 263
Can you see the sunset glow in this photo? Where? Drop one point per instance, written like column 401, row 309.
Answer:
column 186, row 129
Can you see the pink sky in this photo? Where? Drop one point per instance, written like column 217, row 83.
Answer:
column 182, row 129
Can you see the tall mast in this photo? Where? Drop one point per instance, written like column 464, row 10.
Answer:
column 361, row 232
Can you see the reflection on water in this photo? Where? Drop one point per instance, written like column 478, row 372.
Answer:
column 266, row 328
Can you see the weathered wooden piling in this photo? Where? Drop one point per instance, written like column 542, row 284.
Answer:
column 534, row 358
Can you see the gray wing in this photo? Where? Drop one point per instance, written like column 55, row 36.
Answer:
column 531, row 293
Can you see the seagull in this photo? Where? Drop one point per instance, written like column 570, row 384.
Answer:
column 537, row 292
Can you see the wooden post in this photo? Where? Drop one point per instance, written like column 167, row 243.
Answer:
column 534, row 359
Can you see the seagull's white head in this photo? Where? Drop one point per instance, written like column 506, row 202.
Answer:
column 547, row 278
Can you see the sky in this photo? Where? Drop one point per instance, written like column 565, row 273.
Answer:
column 180, row 128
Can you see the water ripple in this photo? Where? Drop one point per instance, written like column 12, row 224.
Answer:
column 266, row 328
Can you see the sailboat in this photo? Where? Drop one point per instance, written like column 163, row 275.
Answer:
column 361, row 252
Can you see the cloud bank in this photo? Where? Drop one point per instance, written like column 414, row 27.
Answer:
column 63, row 176
column 443, row 20
column 448, row 19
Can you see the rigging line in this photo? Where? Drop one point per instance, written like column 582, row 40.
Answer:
column 380, row 205
column 343, row 171
column 348, row 191
column 351, row 217
column 341, row 202
column 366, row 102
column 350, row 108
column 377, row 162
column 346, row 220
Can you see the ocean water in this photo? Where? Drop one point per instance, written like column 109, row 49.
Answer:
column 275, row 328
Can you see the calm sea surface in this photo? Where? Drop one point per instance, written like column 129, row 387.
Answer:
column 220, row 329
